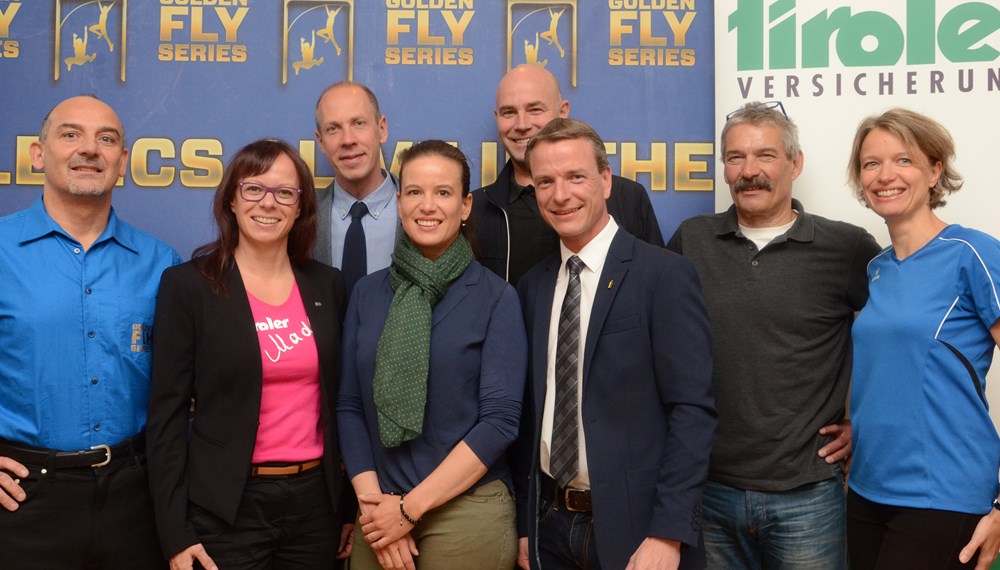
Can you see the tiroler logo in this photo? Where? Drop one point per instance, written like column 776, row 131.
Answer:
column 867, row 38
column 317, row 33
column 779, row 35
column 544, row 33
column 89, row 29
column 9, row 48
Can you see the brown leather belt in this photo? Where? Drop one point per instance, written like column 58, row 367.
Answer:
column 573, row 500
column 289, row 469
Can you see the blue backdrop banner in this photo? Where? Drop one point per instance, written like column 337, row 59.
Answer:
column 194, row 80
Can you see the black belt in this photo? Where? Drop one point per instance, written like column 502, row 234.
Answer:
column 573, row 500
column 96, row 456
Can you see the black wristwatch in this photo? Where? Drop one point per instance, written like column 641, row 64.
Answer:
column 996, row 504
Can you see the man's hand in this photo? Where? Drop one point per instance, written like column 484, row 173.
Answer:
column 840, row 448
column 11, row 493
column 398, row 555
column 184, row 560
column 656, row 553
column 986, row 539
column 522, row 554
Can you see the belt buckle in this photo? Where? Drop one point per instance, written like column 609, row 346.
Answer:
column 567, row 502
column 107, row 449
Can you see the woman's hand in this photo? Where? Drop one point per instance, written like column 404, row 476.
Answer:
column 381, row 522
column 398, row 555
column 346, row 541
column 184, row 560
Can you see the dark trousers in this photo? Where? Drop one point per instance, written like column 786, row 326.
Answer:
column 82, row 518
column 565, row 539
column 282, row 522
column 884, row 537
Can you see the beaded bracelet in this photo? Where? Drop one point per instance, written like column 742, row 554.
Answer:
column 402, row 512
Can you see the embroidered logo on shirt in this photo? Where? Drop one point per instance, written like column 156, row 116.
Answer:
column 875, row 278
column 142, row 337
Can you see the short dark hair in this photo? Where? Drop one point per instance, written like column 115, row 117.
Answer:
column 216, row 258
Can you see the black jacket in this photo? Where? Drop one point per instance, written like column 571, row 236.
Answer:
column 629, row 205
column 206, row 347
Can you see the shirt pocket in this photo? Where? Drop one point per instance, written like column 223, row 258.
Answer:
column 135, row 324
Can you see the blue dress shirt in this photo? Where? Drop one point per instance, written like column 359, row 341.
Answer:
column 75, row 331
column 380, row 224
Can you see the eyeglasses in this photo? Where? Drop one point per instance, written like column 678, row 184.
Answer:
column 254, row 192
column 766, row 106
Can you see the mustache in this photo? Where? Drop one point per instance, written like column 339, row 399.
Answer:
column 759, row 182
column 95, row 162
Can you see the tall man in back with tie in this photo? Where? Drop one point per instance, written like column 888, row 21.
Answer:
column 356, row 221
column 77, row 300
column 619, row 417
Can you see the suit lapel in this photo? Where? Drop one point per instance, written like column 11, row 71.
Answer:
column 616, row 266
column 246, row 343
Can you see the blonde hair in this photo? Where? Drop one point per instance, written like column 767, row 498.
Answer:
column 918, row 132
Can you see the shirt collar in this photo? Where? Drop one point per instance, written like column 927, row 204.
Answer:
column 38, row 224
column 802, row 230
column 377, row 201
column 516, row 191
column 595, row 252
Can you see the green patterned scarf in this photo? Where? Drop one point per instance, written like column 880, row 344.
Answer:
column 403, row 355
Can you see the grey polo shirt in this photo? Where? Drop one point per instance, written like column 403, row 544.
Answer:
column 781, row 327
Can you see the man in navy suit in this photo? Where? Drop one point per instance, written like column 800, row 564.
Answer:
column 619, row 415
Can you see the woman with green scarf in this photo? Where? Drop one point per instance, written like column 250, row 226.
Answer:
column 435, row 357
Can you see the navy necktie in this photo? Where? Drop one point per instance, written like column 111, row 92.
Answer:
column 355, row 263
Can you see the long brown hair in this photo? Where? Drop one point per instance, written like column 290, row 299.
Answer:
column 215, row 259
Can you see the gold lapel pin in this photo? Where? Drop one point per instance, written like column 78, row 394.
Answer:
column 610, row 283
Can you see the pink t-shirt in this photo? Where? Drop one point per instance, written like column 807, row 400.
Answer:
column 289, row 429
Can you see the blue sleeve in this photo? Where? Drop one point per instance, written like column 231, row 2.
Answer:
column 355, row 443
column 501, row 380
column 982, row 273
column 683, row 368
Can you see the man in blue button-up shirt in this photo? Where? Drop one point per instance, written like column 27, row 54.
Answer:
column 76, row 323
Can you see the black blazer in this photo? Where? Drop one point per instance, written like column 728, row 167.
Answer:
column 648, row 411
column 205, row 346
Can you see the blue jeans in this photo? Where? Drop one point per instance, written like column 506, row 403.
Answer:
column 804, row 528
column 566, row 540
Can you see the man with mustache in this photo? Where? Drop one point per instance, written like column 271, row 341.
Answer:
column 76, row 324
column 782, row 287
